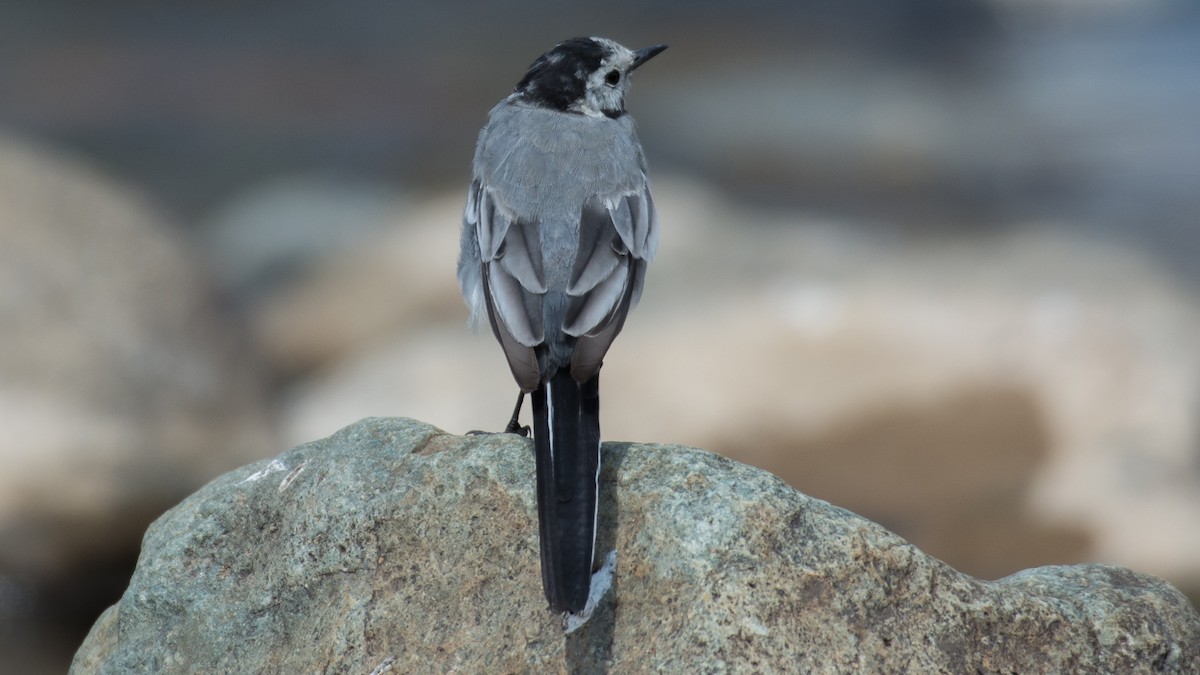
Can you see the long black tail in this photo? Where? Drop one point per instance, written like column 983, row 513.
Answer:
column 566, row 437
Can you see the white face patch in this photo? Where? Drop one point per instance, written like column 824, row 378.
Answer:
column 601, row 96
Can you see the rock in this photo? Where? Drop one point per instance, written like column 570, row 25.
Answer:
column 393, row 544
column 123, row 386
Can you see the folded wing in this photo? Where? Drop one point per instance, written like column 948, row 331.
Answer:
column 617, row 240
column 513, row 281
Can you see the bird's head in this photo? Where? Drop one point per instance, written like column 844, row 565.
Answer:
column 588, row 76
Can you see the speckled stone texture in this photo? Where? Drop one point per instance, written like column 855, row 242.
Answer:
column 392, row 545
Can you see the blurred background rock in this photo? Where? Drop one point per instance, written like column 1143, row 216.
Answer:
column 934, row 261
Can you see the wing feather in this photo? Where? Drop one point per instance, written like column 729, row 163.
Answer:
column 510, row 255
column 591, row 348
column 511, row 303
column 471, row 212
column 609, row 281
column 621, row 216
column 615, row 243
column 596, row 309
column 651, row 216
column 522, row 359
column 596, row 257
column 520, row 255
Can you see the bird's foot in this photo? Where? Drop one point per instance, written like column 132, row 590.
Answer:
column 515, row 427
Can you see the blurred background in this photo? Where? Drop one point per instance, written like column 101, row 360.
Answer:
column 934, row 261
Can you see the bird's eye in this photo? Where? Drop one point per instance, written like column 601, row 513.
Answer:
column 613, row 77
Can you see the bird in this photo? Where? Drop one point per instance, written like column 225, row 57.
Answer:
column 558, row 230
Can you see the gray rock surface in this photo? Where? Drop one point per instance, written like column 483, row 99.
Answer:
column 394, row 544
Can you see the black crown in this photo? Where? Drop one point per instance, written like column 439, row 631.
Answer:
column 558, row 78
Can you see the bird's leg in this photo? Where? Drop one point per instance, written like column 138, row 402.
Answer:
column 514, row 427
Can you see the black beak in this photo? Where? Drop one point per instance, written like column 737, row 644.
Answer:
column 643, row 55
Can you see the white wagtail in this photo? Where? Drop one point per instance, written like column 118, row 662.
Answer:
column 558, row 230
